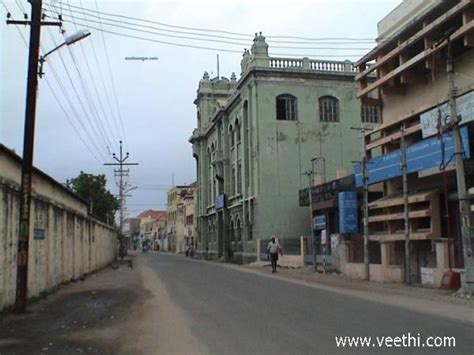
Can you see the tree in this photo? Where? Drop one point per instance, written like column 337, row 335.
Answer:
column 92, row 188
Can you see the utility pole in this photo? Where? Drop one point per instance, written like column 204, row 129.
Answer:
column 310, row 175
column 121, row 173
column 403, row 168
column 464, row 207
column 28, row 145
column 365, row 179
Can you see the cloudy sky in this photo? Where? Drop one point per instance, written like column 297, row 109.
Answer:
column 149, row 104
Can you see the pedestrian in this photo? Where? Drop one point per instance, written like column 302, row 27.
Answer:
column 186, row 250
column 273, row 249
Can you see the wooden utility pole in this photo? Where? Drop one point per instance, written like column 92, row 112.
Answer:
column 403, row 168
column 464, row 206
column 28, row 145
column 365, row 179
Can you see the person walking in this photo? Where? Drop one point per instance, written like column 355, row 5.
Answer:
column 273, row 249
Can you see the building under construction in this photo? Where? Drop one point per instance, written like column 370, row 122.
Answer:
column 424, row 63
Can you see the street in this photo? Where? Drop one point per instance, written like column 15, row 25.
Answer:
column 231, row 312
column 167, row 304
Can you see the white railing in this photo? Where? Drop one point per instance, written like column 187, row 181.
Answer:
column 313, row 64
column 325, row 65
column 286, row 63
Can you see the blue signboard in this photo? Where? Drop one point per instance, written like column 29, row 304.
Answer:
column 38, row 234
column 348, row 216
column 421, row 155
column 319, row 222
column 220, row 201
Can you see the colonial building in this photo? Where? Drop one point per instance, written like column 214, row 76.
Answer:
column 256, row 138
column 177, row 229
column 424, row 55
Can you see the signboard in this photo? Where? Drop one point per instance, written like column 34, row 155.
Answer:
column 429, row 119
column 421, row 155
column 304, row 197
column 348, row 216
column 38, row 234
column 319, row 222
column 220, row 202
column 324, row 237
column 326, row 191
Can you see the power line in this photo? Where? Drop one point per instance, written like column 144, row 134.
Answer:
column 112, row 80
column 245, row 36
column 116, row 23
column 95, row 129
column 98, row 96
column 210, row 48
column 56, row 96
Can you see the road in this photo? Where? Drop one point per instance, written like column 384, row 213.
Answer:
column 233, row 312
column 155, row 303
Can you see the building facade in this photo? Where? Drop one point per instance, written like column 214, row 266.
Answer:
column 256, row 137
column 177, row 228
column 153, row 229
column 131, row 231
column 424, row 56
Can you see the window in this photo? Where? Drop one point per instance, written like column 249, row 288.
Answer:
column 237, row 132
column 231, row 136
column 286, row 108
column 328, row 109
column 370, row 114
column 239, row 230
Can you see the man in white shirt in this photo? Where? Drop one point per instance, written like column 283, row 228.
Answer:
column 274, row 248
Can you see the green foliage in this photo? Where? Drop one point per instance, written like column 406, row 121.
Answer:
column 92, row 188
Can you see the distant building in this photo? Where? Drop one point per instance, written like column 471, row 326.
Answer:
column 177, row 228
column 131, row 230
column 153, row 228
column 410, row 60
column 255, row 140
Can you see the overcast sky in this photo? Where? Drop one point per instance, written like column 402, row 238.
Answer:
column 155, row 97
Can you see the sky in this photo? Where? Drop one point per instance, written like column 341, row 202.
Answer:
column 91, row 96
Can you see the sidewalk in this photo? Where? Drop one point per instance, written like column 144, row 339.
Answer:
column 341, row 281
column 427, row 300
column 88, row 316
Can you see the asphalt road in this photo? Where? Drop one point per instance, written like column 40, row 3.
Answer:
column 234, row 312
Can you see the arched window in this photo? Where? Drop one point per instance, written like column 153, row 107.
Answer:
column 239, row 230
column 237, row 132
column 286, row 108
column 231, row 136
column 231, row 230
column 328, row 109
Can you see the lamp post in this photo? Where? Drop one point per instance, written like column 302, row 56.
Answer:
column 28, row 144
column 67, row 42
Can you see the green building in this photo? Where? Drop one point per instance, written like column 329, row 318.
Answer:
column 254, row 143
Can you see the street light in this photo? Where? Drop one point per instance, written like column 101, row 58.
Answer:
column 67, row 41
column 28, row 144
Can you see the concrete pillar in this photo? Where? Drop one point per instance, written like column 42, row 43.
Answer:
column 385, row 252
column 258, row 249
column 306, row 63
column 442, row 257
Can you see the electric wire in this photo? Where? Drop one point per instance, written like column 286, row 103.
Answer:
column 61, row 105
column 97, row 95
column 97, row 125
column 112, row 81
column 245, row 36
column 89, row 99
column 94, row 130
column 210, row 48
column 119, row 24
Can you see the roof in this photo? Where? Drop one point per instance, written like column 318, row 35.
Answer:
column 153, row 214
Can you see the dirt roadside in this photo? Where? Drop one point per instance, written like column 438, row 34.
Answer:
column 119, row 310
